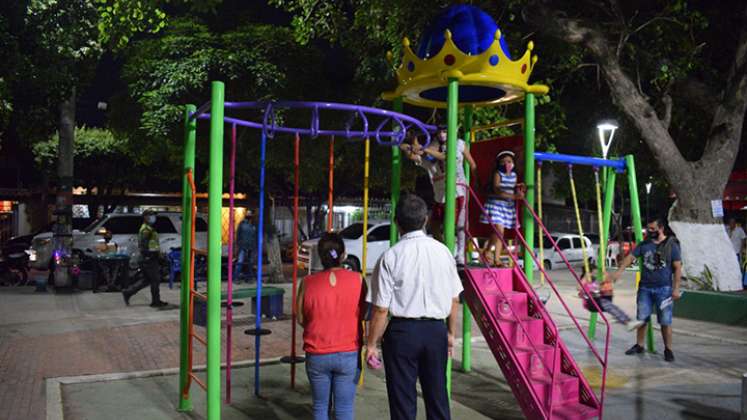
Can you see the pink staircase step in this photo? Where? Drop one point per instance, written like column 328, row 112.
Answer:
column 488, row 280
column 518, row 335
column 566, row 387
column 507, row 305
column 574, row 411
column 526, row 354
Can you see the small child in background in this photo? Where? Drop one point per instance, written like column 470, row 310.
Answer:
column 602, row 295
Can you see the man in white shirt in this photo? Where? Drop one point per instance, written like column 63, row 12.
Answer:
column 415, row 282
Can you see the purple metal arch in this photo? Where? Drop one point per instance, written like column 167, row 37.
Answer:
column 269, row 126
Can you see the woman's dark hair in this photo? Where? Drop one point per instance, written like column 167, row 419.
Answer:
column 331, row 250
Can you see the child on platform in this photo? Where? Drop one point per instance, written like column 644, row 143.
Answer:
column 602, row 295
column 500, row 206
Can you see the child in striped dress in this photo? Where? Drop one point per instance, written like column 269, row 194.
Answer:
column 500, row 207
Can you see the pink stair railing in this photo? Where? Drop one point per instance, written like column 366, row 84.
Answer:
column 547, row 409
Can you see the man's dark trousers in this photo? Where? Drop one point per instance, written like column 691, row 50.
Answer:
column 415, row 349
column 151, row 277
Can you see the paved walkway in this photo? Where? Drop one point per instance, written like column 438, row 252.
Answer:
column 47, row 336
column 43, row 335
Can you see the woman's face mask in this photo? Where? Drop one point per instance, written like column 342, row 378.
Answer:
column 506, row 166
column 150, row 220
column 652, row 233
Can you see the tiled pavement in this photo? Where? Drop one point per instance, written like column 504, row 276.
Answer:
column 46, row 335
column 98, row 335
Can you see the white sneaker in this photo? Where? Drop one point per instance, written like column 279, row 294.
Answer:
column 633, row 325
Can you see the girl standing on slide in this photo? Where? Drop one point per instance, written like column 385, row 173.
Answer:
column 500, row 208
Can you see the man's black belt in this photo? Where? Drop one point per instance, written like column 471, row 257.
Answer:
column 422, row 318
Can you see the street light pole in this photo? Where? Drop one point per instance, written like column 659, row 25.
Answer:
column 603, row 128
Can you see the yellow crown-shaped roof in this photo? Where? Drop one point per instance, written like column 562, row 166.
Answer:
column 489, row 78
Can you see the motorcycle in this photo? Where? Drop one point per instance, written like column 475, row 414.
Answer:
column 14, row 263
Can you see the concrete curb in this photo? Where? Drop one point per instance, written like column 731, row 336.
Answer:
column 55, row 409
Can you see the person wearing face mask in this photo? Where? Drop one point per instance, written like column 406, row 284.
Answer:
column 433, row 159
column 150, row 252
column 661, row 272
column 500, row 206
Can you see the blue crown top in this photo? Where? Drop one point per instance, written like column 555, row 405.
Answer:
column 472, row 30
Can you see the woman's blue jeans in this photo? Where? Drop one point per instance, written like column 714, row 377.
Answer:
column 335, row 372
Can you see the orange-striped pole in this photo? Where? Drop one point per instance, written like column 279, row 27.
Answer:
column 330, row 202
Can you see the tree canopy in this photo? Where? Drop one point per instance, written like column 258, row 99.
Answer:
column 168, row 50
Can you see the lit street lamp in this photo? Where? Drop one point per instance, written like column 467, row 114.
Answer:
column 648, row 193
column 606, row 130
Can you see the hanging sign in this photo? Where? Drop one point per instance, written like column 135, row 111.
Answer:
column 717, row 208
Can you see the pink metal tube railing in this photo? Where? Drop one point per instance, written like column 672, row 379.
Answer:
column 537, row 304
column 602, row 360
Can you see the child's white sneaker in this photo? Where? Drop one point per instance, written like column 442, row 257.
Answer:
column 634, row 325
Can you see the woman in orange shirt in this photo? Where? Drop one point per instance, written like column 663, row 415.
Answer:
column 330, row 309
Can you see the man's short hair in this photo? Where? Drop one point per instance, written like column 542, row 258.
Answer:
column 331, row 250
column 659, row 221
column 411, row 213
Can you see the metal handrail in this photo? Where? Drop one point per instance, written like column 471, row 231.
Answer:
column 537, row 303
column 602, row 360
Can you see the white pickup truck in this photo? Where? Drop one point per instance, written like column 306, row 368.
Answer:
column 124, row 228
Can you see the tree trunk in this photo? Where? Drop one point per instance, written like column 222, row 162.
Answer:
column 301, row 233
column 63, row 233
column 702, row 236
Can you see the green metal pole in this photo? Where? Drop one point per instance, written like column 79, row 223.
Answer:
column 529, row 169
column 449, row 227
column 215, row 204
column 609, row 197
column 635, row 211
column 452, row 121
column 396, row 175
column 466, row 314
column 190, row 134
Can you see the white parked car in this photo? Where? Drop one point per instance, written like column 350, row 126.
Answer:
column 378, row 243
column 124, row 228
column 570, row 246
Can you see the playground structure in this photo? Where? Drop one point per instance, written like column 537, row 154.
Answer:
column 214, row 111
column 463, row 60
column 451, row 68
